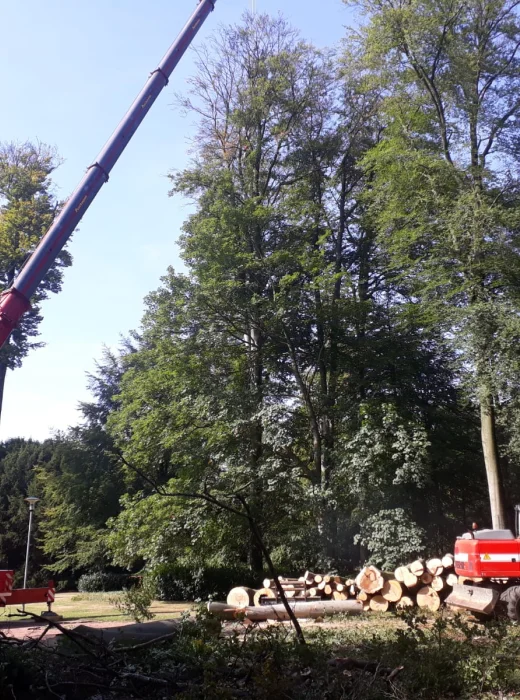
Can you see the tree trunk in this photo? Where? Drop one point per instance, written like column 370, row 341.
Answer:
column 278, row 612
column 3, row 372
column 489, row 447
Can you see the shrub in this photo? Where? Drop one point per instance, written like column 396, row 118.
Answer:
column 136, row 601
column 391, row 538
column 102, row 581
column 177, row 582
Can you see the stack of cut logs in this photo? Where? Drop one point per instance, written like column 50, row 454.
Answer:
column 425, row 583
column 422, row 583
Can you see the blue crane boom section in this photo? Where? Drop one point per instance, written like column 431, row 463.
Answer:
column 15, row 301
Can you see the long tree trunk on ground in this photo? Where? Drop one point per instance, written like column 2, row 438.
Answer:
column 491, row 460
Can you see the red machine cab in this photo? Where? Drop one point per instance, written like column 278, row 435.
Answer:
column 488, row 554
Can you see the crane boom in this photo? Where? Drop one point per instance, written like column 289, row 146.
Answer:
column 14, row 302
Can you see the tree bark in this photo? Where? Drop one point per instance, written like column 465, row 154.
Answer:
column 3, row 372
column 490, row 450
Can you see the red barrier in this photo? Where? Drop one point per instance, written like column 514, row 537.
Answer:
column 25, row 596
column 6, row 580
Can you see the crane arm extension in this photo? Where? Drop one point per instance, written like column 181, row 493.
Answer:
column 14, row 302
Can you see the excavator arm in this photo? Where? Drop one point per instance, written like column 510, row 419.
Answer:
column 15, row 301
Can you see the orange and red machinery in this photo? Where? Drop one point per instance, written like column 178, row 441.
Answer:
column 491, row 560
column 23, row 596
column 488, row 558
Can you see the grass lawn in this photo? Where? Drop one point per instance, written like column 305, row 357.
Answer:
column 96, row 607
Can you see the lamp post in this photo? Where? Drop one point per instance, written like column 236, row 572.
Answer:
column 32, row 501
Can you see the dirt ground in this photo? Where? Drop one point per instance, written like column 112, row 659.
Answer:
column 93, row 609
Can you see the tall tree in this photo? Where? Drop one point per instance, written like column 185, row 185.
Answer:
column 27, row 209
column 18, row 458
column 443, row 197
column 251, row 371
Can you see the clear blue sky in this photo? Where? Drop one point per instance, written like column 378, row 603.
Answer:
column 68, row 72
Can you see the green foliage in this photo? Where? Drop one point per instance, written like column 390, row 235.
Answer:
column 136, row 601
column 391, row 537
column 442, row 198
column 347, row 280
column 176, row 582
column 27, row 209
column 80, row 486
column 439, row 657
column 18, row 459
column 102, row 581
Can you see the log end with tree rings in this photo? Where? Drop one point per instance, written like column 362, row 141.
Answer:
column 370, row 580
column 452, row 580
column 410, row 580
column 437, row 583
column 434, row 566
column 417, row 567
column 405, row 602
column 428, row 599
column 263, row 595
column 240, row 596
column 448, row 561
column 378, row 603
column 400, row 573
column 392, row 591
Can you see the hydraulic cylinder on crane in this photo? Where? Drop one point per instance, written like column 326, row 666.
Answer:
column 15, row 301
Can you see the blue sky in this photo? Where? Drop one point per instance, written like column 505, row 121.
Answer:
column 68, row 71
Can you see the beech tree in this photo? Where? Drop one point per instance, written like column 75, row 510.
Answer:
column 27, row 209
column 444, row 197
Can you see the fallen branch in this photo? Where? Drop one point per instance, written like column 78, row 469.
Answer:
column 73, row 636
column 374, row 667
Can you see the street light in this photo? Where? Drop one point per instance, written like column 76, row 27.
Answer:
column 32, row 501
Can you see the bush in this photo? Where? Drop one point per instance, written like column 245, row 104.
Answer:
column 101, row 582
column 176, row 582
column 137, row 601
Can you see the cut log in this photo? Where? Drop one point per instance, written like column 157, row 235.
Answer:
column 426, row 578
column 452, row 580
column 437, row 583
column 428, row 599
column 448, row 561
column 263, row 594
column 318, row 578
column 290, row 583
column 410, row 580
column 378, row 603
column 240, row 596
column 278, row 611
column 434, row 566
column 308, row 578
column 338, row 595
column 366, row 606
column 405, row 602
column 400, row 573
column 314, row 592
column 370, row 580
column 328, row 589
column 340, row 587
column 362, row 596
column 392, row 591
column 417, row 567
